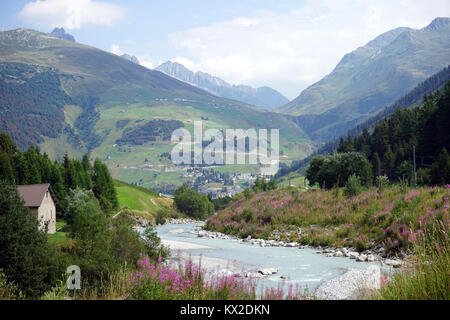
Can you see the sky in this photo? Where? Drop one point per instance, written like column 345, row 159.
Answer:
column 284, row 44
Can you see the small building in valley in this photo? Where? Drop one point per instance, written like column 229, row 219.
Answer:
column 39, row 198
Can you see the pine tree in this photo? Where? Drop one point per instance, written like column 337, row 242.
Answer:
column 32, row 158
column 103, row 188
column 87, row 164
column 6, row 170
column 21, row 168
column 69, row 179
column 57, row 183
column 440, row 170
column 376, row 165
column 389, row 161
column 46, row 168
column 7, row 144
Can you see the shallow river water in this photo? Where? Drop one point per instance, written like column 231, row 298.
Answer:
column 300, row 266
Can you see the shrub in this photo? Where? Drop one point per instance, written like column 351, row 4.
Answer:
column 153, row 247
column 247, row 214
column 193, row 204
column 353, row 186
column 247, row 193
column 161, row 216
column 382, row 182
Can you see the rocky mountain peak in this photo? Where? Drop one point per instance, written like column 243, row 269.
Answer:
column 264, row 97
column 130, row 58
column 438, row 23
column 61, row 34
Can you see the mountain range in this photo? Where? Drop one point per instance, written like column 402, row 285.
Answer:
column 263, row 97
column 65, row 96
column 370, row 78
column 414, row 98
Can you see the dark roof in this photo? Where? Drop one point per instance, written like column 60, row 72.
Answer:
column 33, row 194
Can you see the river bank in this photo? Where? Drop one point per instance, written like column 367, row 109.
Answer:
column 346, row 252
column 271, row 266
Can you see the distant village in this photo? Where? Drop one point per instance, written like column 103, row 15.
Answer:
column 233, row 183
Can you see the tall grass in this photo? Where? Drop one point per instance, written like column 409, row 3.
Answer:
column 189, row 281
column 428, row 276
column 115, row 288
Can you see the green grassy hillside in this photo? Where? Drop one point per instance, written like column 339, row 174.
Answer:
column 141, row 199
column 389, row 218
column 101, row 104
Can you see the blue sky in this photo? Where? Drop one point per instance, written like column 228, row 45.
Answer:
column 287, row 45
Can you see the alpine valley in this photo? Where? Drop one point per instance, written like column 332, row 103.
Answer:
column 65, row 96
column 68, row 97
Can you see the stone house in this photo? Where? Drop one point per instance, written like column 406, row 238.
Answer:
column 39, row 198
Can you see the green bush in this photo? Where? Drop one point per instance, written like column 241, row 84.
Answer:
column 247, row 214
column 192, row 203
column 153, row 247
column 382, row 182
column 161, row 217
column 353, row 186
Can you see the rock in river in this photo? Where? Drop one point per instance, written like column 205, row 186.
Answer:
column 268, row 271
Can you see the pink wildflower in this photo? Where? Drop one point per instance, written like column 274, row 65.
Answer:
column 384, row 281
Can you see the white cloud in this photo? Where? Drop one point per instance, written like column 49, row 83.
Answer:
column 292, row 50
column 115, row 48
column 146, row 63
column 191, row 65
column 71, row 14
column 146, row 60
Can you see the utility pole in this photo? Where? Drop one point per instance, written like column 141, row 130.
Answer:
column 415, row 173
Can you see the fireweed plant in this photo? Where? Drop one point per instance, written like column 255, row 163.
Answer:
column 391, row 217
column 189, row 281
column 428, row 273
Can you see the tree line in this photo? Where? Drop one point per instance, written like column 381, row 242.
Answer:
column 388, row 150
column 33, row 167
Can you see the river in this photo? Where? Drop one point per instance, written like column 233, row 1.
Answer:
column 299, row 266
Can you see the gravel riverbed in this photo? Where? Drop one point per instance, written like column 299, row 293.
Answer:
column 351, row 284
